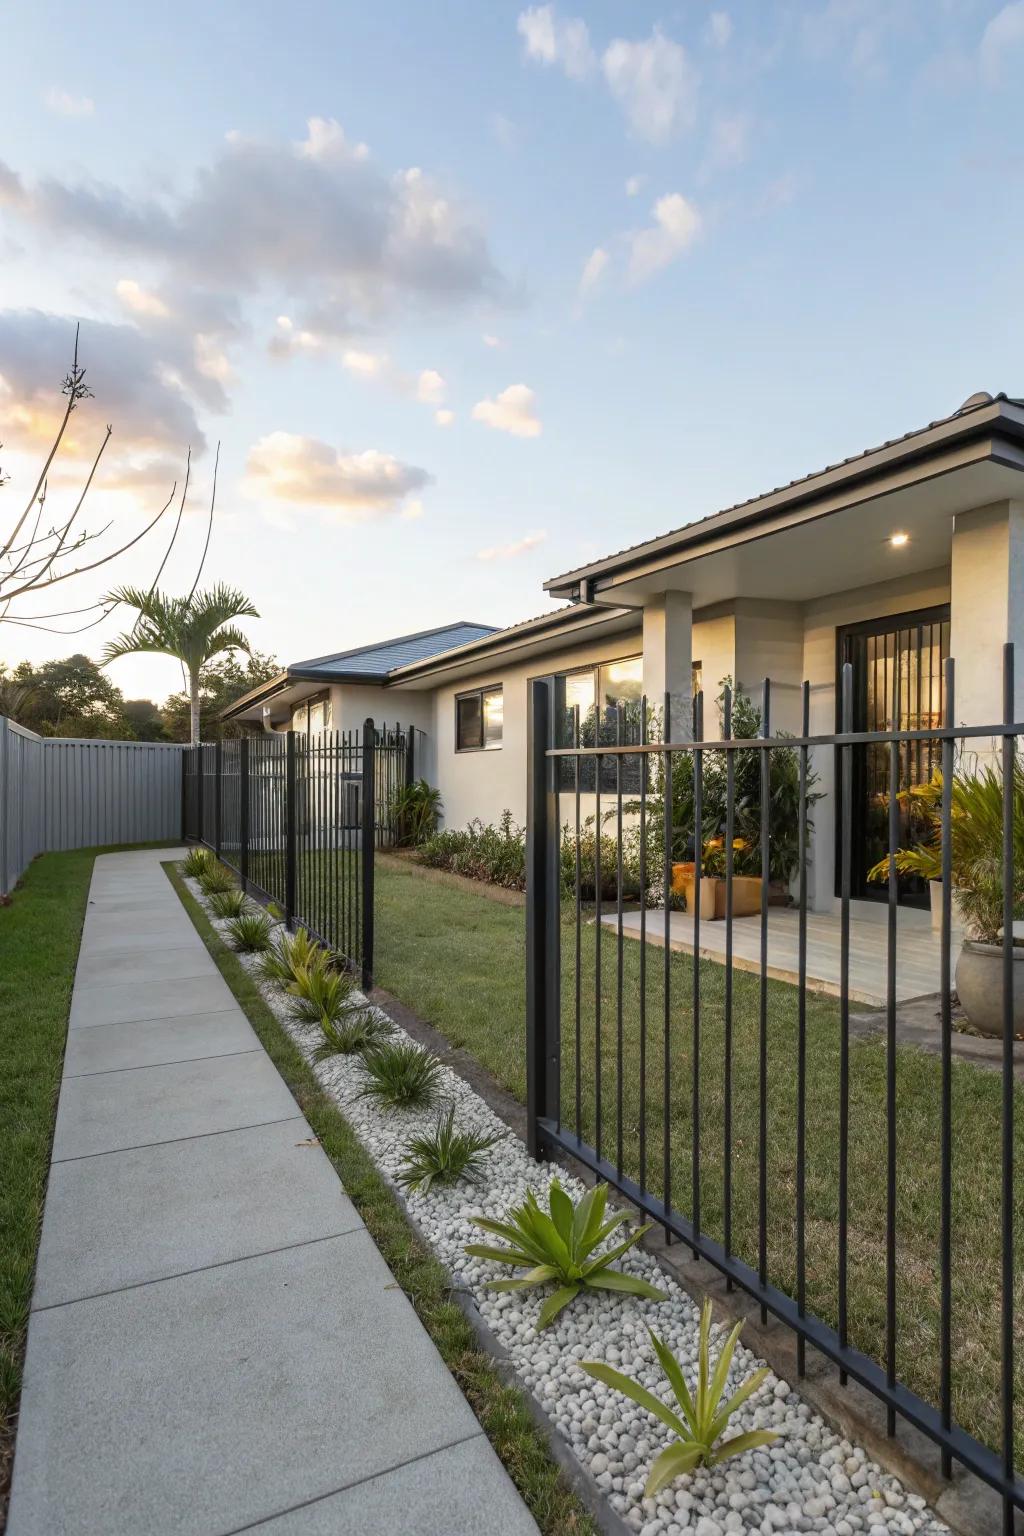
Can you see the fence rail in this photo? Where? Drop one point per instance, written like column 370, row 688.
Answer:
column 688, row 1085
column 298, row 818
column 60, row 793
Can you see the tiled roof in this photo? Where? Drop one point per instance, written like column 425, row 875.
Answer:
column 382, row 658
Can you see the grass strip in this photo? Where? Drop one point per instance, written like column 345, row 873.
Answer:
column 501, row 1409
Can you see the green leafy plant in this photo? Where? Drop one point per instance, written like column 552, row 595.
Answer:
column 320, row 993
column 250, row 932
column 496, row 854
column 401, row 1075
column 196, row 862
column 357, row 1031
column 289, row 953
column 704, row 1416
column 561, row 1245
column 445, row 1155
column 415, row 811
column 227, row 903
column 215, row 879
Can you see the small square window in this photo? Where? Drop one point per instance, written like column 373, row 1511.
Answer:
column 479, row 718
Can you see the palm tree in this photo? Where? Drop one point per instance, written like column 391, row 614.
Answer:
column 195, row 629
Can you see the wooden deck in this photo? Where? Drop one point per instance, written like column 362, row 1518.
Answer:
column 918, row 949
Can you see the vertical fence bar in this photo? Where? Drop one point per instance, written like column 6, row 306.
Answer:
column 1006, row 1300
column 846, row 815
column 542, row 920
column 730, row 812
column 578, row 937
column 801, row 1047
column 368, row 833
column 698, row 867
column 289, row 830
column 946, row 1150
column 243, row 812
column 619, row 1041
column 666, row 1086
column 762, row 1025
column 200, row 791
column 218, row 796
column 642, row 1126
column 890, row 1053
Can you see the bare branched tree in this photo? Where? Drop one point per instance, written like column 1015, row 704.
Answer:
column 36, row 555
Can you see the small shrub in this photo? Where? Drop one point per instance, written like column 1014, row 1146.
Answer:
column 445, row 1155
column 704, row 1416
column 496, row 854
column 250, row 933
column 402, row 1076
column 215, row 879
column 227, row 903
column 357, row 1031
column 289, row 953
column 320, row 993
column 196, row 862
column 415, row 811
column 561, row 1244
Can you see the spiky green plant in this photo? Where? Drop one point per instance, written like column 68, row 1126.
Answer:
column 288, row 954
column 561, row 1244
column 319, row 992
column 401, row 1075
column 227, row 903
column 215, row 879
column 196, row 862
column 357, row 1031
column 445, row 1155
column 705, row 1417
column 249, row 933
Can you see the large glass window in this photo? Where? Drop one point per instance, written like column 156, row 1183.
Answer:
column 621, row 682
column 479, row 718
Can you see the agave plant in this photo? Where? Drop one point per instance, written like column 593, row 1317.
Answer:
column 250, row 932
column 704, row 1416
column 196, row 862
column 320, row 993
column 215, row 879
column 445, row 1155
column 401, row 1075
column 562, row 1245
column 228, row 903
column 357, row 1031
column 288, row 954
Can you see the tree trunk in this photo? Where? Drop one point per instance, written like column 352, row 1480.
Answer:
column 193, row 692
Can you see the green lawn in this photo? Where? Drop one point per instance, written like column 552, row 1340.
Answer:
column 458, row 960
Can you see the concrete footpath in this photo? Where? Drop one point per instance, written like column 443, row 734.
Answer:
column 216, row 1345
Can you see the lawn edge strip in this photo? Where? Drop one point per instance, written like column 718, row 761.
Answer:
column 527, row 1450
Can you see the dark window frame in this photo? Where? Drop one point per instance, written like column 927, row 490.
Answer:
column 480, row 693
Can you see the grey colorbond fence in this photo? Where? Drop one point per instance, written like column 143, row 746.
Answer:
column 58, row 794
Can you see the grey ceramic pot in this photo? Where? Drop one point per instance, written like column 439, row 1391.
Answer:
column 979, row 985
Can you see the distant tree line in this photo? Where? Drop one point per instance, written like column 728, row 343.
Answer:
column 76, row 697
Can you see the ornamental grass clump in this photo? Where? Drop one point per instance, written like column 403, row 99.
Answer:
column 196, row 862
column 215, row 879
column 561, row 1245
column 357, row 1031
column 288, row 954
column 249, row 933
column 705, row 1417
column 319, row 992
column 227, row 903
column 445, row 1155
column 401, row 1075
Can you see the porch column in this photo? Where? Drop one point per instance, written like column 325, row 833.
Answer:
column 668, row 657
column 987, row 609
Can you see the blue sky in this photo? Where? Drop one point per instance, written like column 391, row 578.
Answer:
column 654, row 261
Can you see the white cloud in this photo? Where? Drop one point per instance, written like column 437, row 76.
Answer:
column 284, row 466
column 444, row 418
column 412, row 510
column 66, row 105
column 140, row 301
column 512, row 411
column 635, row 185
column 1003, row 35
column 367, row 365
column 593, row 270
column 856, row 30
column 430, row 387
column 719, row 28
column 552, row 39
column 510, row 551
column 677, row 223
column 489, row 340
column 654, row 83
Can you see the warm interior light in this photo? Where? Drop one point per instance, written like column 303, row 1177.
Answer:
column 897, row 540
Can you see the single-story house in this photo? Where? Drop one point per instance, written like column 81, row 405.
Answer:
column 912, row 549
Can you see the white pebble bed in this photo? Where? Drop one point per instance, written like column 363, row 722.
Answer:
column 811, row 1479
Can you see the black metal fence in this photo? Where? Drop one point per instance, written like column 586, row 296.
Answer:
column 862, row 1195
column 298, row 818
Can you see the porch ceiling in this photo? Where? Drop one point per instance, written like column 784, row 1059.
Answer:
column 825, row 549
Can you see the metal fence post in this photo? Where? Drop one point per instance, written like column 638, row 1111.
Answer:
column 184, row 794
column 6, row 794
column 289, row 831
column 218, row 793
column 243, row 812
column 410, row 756
column 200, row 787
column 367, row 840
column 543, row 988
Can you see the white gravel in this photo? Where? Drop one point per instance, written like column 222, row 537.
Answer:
column 811, row 1479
